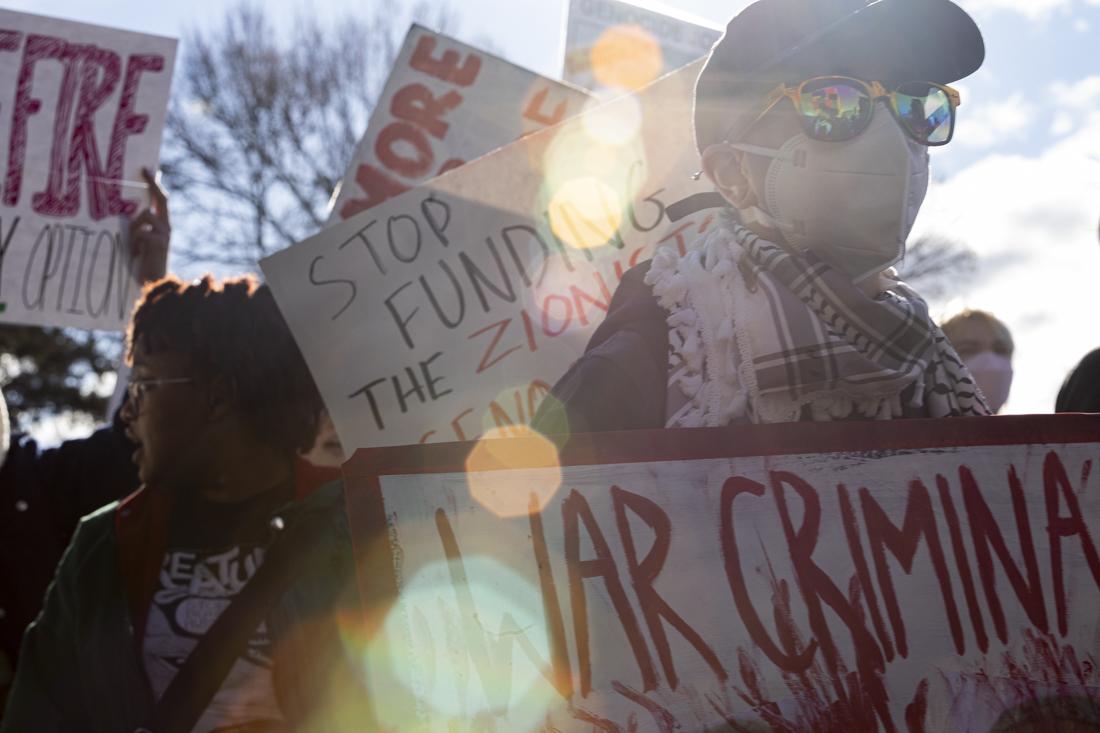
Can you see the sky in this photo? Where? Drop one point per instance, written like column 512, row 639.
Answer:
column 1020, row 183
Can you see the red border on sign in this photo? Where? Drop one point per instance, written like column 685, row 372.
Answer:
column 367, row 514
column 647, row 446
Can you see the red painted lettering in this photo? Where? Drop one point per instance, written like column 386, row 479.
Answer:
column 986, row 534
column 855, row 549
column 631, row 262
column 501, row 418
column 456, row 425
column 580, row 297
column 919, row 521
column 37, row 49
column 376, row 184
column 1057, row 488
column 677, row 234
column 416, row 104
column 99, row 74
column 962, row 563
column 492, row 661
column 575, row 510
column 398, row 161
column 555, row 622
column 818, row 588
column 565, row 319
column 533, row 111
column 529, row 330
column 536, row 393
column 656, row 609
column 446, row 67
column 488, row 359
column 784, row 659
column 127, row 123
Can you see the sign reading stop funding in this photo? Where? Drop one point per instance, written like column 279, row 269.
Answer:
column 452, row 307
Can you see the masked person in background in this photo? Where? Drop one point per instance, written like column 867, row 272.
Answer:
column 786, row 308
column 985, row 345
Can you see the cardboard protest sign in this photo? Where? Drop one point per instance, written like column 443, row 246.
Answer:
column 82, row 109
column 454, row 306
column 611, row 44
column 445, row 103
column 938, row 576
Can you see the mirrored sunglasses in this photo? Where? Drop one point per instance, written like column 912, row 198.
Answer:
column 838, row 108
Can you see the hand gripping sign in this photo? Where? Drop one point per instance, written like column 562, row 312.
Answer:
column 445, row 103
column 453, row 307
column 82, row 109
column 938, row 576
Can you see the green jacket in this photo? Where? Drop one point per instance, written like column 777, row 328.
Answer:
column 80, row 665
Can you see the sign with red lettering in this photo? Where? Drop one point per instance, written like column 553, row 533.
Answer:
column 938, row 576
column 445, row 103
column 453, row 307
column 82, row 109
column 611, row 44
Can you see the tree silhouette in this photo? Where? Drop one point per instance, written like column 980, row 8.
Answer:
column 934, row 264
column 262, row 126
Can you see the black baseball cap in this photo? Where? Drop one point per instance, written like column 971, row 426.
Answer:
column 772, row 41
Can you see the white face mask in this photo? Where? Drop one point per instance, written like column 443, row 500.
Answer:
column 852, row 203
column 993, row 373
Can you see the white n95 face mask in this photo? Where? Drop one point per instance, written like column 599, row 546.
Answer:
column 993, row 373
column 852, row 203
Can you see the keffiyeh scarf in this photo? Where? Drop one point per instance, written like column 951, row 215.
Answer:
column 759, row 335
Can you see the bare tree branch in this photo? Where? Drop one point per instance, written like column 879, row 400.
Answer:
column 934, row 264
column 261, row 129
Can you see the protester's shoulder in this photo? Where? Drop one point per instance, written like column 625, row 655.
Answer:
column 99, row 524
column 633, row 303
column 633, row 285
column 93, row 544
column 327, row 496
column 326, row 501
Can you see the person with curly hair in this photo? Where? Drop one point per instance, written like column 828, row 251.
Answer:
column 161, row 615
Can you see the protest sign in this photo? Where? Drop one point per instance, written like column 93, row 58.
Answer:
column 454, row 306
column 938, row 576
column 445, row 103
column 82, row 109
column 610, row 44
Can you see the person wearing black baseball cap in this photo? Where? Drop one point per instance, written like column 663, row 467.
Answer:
column 813, row 119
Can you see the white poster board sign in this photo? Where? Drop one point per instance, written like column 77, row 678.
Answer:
column 938, row 576
column 454, row 306
column 82, row 110
column 445, row 103
column 611, row 44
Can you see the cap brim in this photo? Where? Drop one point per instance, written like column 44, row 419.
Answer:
column 892, row 41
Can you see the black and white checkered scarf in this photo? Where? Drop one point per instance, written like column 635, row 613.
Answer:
column 758, row 334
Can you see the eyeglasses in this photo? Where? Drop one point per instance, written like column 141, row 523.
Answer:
column 837, row 108
column 137, row 388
